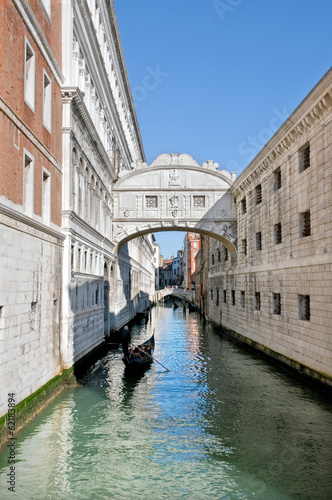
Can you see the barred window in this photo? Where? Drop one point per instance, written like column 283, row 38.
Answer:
column 304, row 307
column 151, row 202
column 226, row 253
column 305, row 225
column 212, row 259
column 276, row 303
column 199, row 201
column 304, row 157
column 259, row 241
column 277, row 179
column 243, row 298
column 219, row 256
column 233, row 297
column 277, row 233
column 225, row 296
column 258, row 193
column 257, row 301
column 244, row 246
column 211, row 293
column 244, row 205
column 217, row 300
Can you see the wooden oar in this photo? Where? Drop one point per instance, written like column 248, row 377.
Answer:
column 150, row 356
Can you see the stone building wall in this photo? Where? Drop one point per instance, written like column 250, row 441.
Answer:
column 276, row 292
column 31, row 242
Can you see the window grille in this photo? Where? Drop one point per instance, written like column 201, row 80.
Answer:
column 258, row 191
column 276, row 302
column 259, row 241
column 199, row 201
column 244, row 246
column 305, row 225
column 226, row 253
column 305, row 158
column 151, row 202
column 277, row 233
column 257, row 301
column 304, row 307
column 277, row 179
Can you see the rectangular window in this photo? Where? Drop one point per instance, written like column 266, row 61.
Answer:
column 244, row 205
column 46, row 195
column 277, row 179
column 219, row 256
column 211, row 293
column 243, row 298
column 305, row 225
column 276, row 303
column 233, row 297
column 277, row 233
column 29, row 75
column 217, row 300
column 212, row 259
column 244, row 246
column 226, row 253
column 151, row 202
column 259, row 241
column 225, row 296
column 304, row 307
column 304, row 157
column 199, row 201
column 47, row 102
column 28, row 183
column 257, row 301
column 34, row 316
column 258, row 194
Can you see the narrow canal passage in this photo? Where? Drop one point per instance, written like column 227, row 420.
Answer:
column 221, row 424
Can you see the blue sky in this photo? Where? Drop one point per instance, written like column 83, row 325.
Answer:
column 216, row 78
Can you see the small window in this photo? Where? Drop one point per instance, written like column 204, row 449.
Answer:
column 277, row 179
column 212, row 259
column 304, row 158
column 244, row 205
column 243, row 298
column 226, row 253
column 277, row 233
column 304, row 307
column 225, row 296
column 257, row 301
column 258, row 194
column 219, row 256
column 244, row 246
column 217, row 299
column 211, row 293
column 233, row 297
column 305, row 225
column 151, row 202
column 29, row 75
column 276, row 303
column 47, row 102
column 259, row 241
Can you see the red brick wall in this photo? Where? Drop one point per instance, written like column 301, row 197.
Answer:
column 12, row 49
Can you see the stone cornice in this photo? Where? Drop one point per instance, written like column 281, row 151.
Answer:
column 308, row 114
column 32, row 24
column 21, row 222
column 27, row 132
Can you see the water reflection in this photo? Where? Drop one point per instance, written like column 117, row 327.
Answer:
column 220, row 424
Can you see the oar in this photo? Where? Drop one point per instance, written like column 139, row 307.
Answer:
column 150, row 356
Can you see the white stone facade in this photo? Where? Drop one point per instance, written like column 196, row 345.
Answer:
column 277, row 292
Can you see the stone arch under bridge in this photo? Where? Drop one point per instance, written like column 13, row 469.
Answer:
column 174, row 193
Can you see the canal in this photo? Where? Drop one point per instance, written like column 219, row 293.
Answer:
column 221, row 424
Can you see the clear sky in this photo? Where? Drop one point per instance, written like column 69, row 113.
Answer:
column 216, row 78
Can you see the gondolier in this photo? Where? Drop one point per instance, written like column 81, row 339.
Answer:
column 125, row 339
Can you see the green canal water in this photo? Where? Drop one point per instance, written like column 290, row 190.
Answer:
column 221, row 424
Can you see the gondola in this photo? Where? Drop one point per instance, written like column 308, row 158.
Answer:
column 140, row 357
column 192, row 307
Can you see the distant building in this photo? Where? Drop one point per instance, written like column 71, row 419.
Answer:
column 177, row 268
column 157, row 262
column 192, row 244
column 167, row 271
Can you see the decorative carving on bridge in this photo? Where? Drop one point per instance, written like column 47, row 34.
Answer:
column 174, row 201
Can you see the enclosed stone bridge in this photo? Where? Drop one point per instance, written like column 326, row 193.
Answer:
column 174, row 193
